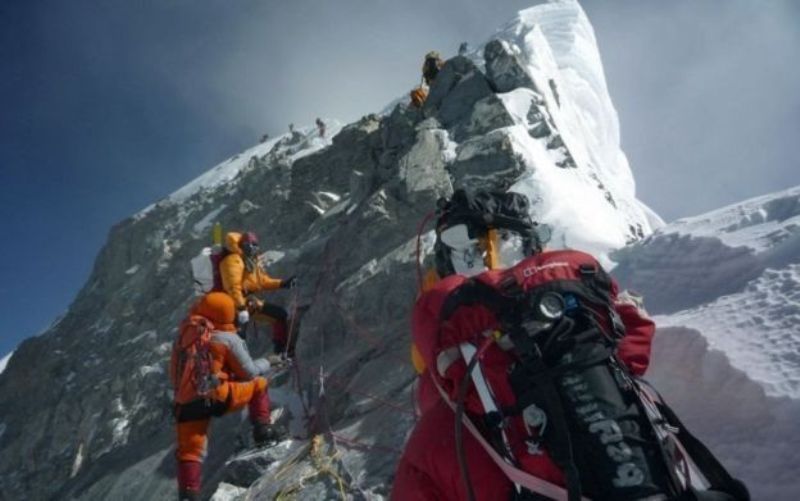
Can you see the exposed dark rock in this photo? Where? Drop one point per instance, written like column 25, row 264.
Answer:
column 504, row 69
column 488, row 161
column 487, row 115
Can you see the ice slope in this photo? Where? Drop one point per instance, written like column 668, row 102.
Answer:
column 592, row 206
column 758, row 329
column 734, row 275
column 727, row 350
column 755, row 435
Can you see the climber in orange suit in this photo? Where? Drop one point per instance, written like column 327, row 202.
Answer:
column 213, row 374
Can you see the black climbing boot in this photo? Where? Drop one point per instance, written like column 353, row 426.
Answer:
column 187, row 495
column 265, row 433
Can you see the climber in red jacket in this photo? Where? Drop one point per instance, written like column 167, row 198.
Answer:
column 529, row 366
column 429, row 467
column 470, row 239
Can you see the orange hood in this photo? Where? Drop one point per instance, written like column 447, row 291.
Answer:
column 219, row 308
column 232, row 240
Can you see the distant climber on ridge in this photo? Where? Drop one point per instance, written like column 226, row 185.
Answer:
column 418, row 96
column 243, row 276
column 320, row 127
column 431, row 66
column 213, row 374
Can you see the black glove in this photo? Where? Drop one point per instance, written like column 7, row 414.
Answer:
column 289, row 283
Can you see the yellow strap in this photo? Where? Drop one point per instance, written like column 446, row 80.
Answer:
column 491, row 244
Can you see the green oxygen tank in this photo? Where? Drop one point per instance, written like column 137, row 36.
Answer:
column 216, row 236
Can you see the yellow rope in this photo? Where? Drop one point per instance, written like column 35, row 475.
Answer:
column 319, row 461
column 285, row 468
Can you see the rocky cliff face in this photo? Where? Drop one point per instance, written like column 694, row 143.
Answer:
column 85, row 407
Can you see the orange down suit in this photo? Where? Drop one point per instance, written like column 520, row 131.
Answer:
column 240, row 278
column 241, row 380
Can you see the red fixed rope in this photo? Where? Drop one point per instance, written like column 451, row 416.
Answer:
column 376, row 342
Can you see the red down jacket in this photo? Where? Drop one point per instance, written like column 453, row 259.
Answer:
column 428, row 469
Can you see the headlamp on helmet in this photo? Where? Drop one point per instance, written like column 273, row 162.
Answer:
column 541, row 312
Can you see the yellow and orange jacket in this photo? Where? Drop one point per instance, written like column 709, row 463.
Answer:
column 242, row 276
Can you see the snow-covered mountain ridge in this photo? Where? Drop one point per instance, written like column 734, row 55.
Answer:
column 733, row 274
column 768, row 225
column 295, row 145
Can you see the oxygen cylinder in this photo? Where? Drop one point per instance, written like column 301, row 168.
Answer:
column 216, row 235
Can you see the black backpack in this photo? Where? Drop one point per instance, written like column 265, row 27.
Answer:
column 611, row 433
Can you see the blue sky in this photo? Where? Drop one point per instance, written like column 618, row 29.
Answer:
column 107, row 106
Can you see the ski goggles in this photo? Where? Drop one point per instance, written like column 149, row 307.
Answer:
column 471, row 255
column 249, row 248
column 466, row 253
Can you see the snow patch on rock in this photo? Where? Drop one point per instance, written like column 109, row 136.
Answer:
column 272, row 256
column 146, row 370
column 150, row 335
column 581, row 217
column 78, row 462
column 228, row 492
column 4, row 362
column 120, row 425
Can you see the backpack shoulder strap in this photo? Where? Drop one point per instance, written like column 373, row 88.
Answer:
column 473, row 292
column 517, row 476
